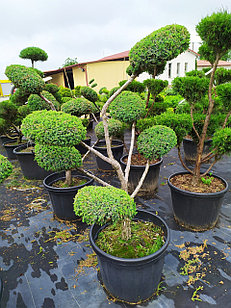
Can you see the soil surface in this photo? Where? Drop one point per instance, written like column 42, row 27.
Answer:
column 75, row 182
column 186, row 182
column 140, row 160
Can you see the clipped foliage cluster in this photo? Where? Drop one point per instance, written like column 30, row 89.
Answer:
column 193, row 89
column 224, row 93
column 222, row 75
column 127, row 107
column 100, row 205
column 34, row 54
column 35, row 102
column 53, row 128
column 155, row 86
column 222, row 141
column 26, row 79
column 195, row 73
column 65, row 99
column 56, row 158
column 104, row 90
column 156, row 141
column 64, row 92
column 6, row 168
column 78, row 107
column 115, row 129
column 134, row 86
column 180, row 123
column 152, row 52
column 89, row 94
column 77, row 91
column 215, row 32
column 113, row 90
column 54, row 90
column 19, row 98
column 206, row 53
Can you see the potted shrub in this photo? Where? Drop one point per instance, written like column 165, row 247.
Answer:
column 116, row 131
column 6, row 168
column 196, row 196
column 55, row 135
column 132, row 271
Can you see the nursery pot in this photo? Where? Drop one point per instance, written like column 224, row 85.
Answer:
column 62, row 198
column 4, row 138
column 81, row 148
column 30, row 168
column 9, row 147
column 117, row 150
column 196, row 211
column 151, row 180
column 190, row 149
column 131, row 280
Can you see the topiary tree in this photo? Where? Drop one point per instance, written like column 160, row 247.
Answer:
column 78, row 107
column 34, row 54
column 92, row 203
column 55, row 134
column 6, row 168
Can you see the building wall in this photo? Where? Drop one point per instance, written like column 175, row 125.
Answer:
column 106, row 74
column 57, row 79
column 185, row 62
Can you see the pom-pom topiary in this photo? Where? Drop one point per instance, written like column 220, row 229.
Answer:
column 24, row 78
column 78, row 107
column 103, row 204
column 89, row 94
column 56, row 158
column 35, row 102
column 128, row 107
column 53, row 128
column 34, row 54
column 115, row 128
column 156, row 141
column 6, row 168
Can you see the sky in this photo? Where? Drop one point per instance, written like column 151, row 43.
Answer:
column 89, row 30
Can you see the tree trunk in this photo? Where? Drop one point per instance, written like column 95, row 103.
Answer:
column 49, row 102
column 126, row 229
column 68, row 178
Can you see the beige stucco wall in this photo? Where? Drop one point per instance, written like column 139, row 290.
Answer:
column 57, row 79
column 106, row 74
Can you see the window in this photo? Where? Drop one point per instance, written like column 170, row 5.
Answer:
column 169, row 70
column 185, row 67
column 178, row 69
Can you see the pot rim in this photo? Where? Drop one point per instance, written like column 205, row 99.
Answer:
column 195, row 194
column 158, row 163
column 119, row 145
column 61, row 176
column 20, row 147
column 135, row 261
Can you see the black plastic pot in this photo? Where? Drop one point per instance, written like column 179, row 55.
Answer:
column 62, row 198
column 81, row 148
column 131, row 280
column 30, row 168
column 196, row 211
column 190, row 149
column 117, row 150
column 151, row 181
column 10, row 148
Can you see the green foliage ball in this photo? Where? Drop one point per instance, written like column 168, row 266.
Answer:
column 35, row 102
column 134, row 86
column 6, row 168
column 33, row 53
column 89, row 94
column 78, row 106
column 152, row 52
column 222, row 141
column 24, row 78
column 53, row 128
column 100, row 205
column 156, row 141
column 57, row 158
column 127, row 107
column 222, row 75
column 115, row 128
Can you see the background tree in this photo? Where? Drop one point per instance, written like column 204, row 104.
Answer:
column 34, row 54
column 70, row 61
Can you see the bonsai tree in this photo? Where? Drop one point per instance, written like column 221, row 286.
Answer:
column 34, row 54
column 6, row 168
column 55, row 134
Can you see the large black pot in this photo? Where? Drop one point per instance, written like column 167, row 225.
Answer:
column 131, row 280
column 196, row 211
column 62, row 198
column 81, row 148
column 9, row 147
column 151, row 181
column 117, row 150
column 30, row 168
column 190, row 149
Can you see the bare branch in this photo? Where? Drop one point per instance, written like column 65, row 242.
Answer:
column 94, row 118
column 127, row 170
column 194, row 128
column 206, row 172
column 182, row 162
column 49, row 102
column 141, row 181
column 86, row 154
column 226, row 119
column 94, row 177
